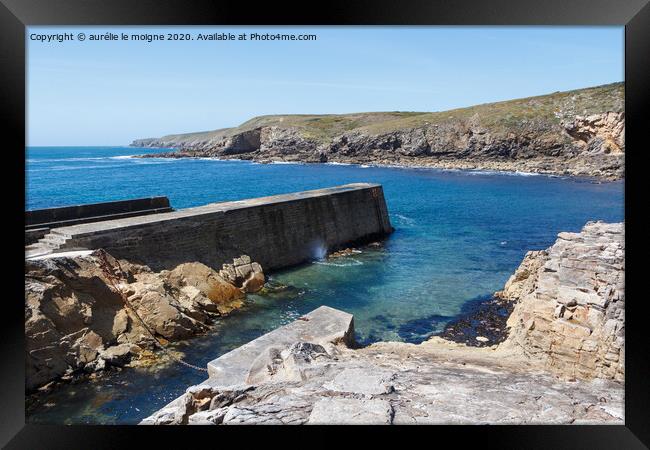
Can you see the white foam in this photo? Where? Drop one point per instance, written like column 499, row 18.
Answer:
column 348, row 263
column 286, row 162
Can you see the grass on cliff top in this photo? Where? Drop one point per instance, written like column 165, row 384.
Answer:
column 545, row 110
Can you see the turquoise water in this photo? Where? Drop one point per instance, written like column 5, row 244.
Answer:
column 459, row 235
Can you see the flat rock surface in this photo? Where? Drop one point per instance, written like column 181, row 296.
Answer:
column 407, row 384
column 350, row 411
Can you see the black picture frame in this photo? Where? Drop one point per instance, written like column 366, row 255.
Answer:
column 15, row 15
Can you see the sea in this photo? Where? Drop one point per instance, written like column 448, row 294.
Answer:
column 458, row 236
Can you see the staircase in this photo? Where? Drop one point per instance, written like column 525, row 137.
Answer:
column 50, row 243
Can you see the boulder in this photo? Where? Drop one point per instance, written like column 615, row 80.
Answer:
column 119, row 355
column 244, row 273
column 161, row 312
column 208, row 282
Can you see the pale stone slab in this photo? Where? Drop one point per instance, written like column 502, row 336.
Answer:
column 367, row 380
column 321, row 326
column 351, row 411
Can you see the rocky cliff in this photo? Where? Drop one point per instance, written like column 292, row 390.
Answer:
column 78, row 321
column 579, row 132
column 569, row 311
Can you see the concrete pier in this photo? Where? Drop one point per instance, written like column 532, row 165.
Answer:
column 321, row 326
column 277, row 231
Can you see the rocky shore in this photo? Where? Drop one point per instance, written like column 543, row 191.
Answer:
column 576, row 133
column 561, row 362
column 86, row 312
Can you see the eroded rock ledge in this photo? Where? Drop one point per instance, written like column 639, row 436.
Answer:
column 561, row 363
column 569, row 309
column 76, row 322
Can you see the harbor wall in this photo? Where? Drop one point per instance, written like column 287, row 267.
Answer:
column 276, row 231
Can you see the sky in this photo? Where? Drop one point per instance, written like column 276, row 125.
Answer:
column 106, row 93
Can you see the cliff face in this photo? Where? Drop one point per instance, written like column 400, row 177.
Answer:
column 576, row 133
column 570, row 304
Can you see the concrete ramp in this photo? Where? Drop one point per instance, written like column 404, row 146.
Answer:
column 322, row 325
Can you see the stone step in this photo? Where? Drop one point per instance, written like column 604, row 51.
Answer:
column 57, row 232
column 53, row 240
column 35, row 250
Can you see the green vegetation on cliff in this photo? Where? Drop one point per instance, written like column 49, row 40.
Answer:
column 500, row 116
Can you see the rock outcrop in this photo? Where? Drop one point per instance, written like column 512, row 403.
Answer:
column 570, row 304
column 393, row 383
column 600, row 133
column 562, row 362
column 75, row 321
column 570, row 133
column 244, row 273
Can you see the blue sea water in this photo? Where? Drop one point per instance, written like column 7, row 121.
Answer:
column 458, row 236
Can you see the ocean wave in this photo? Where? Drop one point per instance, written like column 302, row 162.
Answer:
column 349, row 262
column 500, row 172
column 287, row 162
column 213, row 158
column 146, row 161
column 97, row 166
column 63, row 168
column 90, row 158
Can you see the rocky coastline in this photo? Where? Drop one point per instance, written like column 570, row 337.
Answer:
column 548, row 348
column 561, row 362
column 82, row 318
column 576, row 133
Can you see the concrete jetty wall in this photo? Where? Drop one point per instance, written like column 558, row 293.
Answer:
column 276, row 231
column 38, row 222
column 95, row 212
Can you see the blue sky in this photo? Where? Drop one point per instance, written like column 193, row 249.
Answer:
column 109, row 93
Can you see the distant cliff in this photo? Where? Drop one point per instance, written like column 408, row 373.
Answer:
column 579, row 132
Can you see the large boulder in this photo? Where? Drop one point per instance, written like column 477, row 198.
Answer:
column 163, row 314
column 201, row 279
